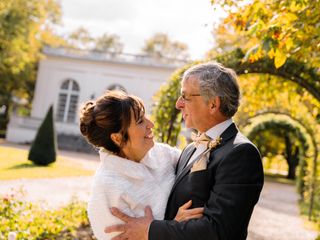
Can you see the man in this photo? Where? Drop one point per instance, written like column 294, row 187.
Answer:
column 228, row 183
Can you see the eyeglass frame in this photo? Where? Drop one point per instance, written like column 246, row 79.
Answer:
column 186, row 98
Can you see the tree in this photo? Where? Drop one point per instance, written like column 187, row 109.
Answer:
column 43, row 148
column 80, row 38
column 277, row 28
column 160, row 46
column 25, row 26
column 109, row 42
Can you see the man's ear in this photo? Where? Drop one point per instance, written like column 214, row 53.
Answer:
column 214, row 104
column 116, row 138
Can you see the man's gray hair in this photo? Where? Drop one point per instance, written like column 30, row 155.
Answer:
column 217, row 80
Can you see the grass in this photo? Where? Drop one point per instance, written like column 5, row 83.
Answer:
column 14, row 164
column 278, row 178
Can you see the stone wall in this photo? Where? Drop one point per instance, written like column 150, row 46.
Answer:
column 75, row 143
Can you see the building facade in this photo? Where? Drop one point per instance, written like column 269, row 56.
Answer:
column 67, row 78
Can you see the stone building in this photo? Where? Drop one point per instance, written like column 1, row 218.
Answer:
column 66, row 78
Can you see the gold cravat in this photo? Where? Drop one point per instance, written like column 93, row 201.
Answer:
column 201, row 163
column 201, row 139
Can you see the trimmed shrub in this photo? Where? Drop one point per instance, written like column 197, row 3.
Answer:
column 43, row 148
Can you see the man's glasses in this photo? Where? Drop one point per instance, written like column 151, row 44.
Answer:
column 187, row 97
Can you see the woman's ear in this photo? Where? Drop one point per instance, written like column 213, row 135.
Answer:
column 116, row 138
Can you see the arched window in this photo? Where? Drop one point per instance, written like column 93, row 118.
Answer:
column 117, row 87
column 68, row 101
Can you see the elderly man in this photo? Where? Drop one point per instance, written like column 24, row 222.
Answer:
column 222, row 172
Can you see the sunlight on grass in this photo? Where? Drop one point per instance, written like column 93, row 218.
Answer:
column 278, row 178
column 14, row 164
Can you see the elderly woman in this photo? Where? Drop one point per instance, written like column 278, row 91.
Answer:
column 134, row 171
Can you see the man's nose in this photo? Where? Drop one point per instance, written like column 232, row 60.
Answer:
column 179, row 103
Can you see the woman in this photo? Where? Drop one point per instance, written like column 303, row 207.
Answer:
column 134, row 171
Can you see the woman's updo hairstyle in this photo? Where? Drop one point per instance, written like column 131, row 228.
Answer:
column 111, row 113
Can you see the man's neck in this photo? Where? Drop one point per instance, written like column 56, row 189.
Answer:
column 218, row 129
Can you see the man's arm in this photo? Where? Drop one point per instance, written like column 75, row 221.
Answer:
column 238, row 182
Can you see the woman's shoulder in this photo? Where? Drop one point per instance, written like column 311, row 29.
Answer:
column 164, row 148
column 161, row 154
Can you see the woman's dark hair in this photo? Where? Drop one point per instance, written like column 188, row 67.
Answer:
column 111, row 113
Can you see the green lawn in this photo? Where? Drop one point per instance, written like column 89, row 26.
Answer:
column 14, row 164
column 278, row 178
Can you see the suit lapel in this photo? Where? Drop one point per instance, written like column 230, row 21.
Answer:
column 229, row 133
column 184, row 159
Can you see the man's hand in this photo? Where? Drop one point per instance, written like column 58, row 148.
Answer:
column 133, row 228
column 185, row 214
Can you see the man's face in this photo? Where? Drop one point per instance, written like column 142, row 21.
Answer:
column 195, row 111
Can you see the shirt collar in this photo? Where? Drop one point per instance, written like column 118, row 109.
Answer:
column 218, row 129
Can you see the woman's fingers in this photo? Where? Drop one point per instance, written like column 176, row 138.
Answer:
column 192, row 217
column 194, row 210
column 186, row 205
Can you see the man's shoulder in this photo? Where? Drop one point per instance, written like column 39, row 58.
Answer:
column 241, row 139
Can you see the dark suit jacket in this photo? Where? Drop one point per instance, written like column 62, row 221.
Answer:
column 229, row 189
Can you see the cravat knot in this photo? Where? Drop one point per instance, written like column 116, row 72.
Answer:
column 204, row 139
column 203, row 159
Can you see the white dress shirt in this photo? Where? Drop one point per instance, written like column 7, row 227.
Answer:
column 213, row 133
column 130, row 186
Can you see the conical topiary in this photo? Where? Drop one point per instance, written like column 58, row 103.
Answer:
column 43, row 148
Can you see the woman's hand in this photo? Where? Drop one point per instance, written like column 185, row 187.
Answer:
column 185, row 214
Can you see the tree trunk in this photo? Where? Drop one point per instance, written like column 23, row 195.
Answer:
column 292, row 157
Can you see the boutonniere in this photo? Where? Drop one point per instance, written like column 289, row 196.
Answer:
column 214, row 143
column 202, row 162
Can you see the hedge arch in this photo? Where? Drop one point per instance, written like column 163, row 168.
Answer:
column 298, row 72
column 167, row 117
column 168, row 120
column 283, row 128
column 315, row 145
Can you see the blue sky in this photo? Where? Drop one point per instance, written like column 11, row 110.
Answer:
column 188, row 21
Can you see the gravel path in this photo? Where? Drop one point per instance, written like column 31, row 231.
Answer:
column 276, row 217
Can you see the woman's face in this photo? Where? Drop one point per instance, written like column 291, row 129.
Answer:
column 140, row 138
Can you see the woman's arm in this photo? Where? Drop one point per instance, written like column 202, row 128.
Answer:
column 103, row 197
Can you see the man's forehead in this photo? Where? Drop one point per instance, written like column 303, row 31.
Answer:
column 191, row 82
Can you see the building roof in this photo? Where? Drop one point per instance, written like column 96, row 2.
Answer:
column 113, row 57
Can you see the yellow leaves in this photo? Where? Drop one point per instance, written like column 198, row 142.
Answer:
column 280, row 58
column 290, row 17
column 271, row 53
column 294, row 7
column 289, row 43
column 315, row 112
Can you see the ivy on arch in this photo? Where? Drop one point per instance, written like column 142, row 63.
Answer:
column 308, row 133
column 298, row 72
column 295, row 154
column 168, row 118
